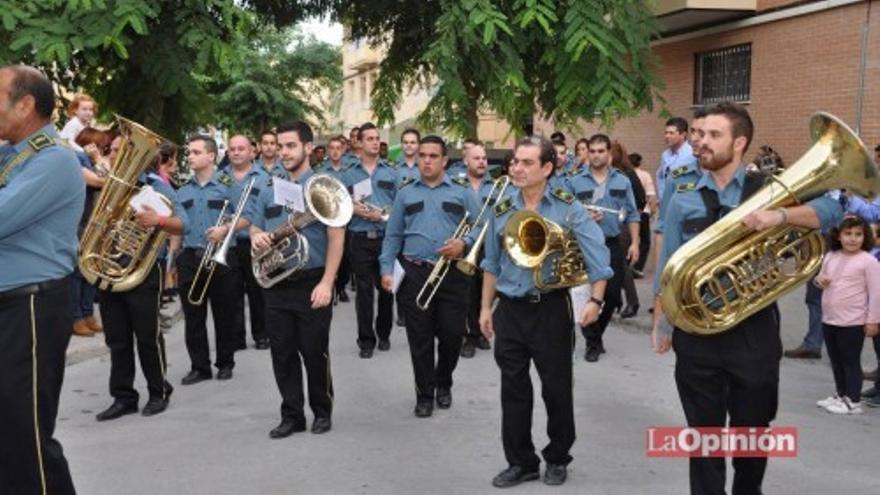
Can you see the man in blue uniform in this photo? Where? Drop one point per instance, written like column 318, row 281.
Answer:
column 298, row 309
column 736, row 372
column 408, row 164
column 604, row 186
column 534, row 325
column 334, row 167
column 268, row 161
column 199, row 203
column 42, row 194
column 425, row 215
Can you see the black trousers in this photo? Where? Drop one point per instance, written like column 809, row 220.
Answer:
column 364, row 256
column 222, row 297
column 594, row 331
column 242, row 253
column 644, row 241
column 475, row 294
column 628, row 283
column 735, row 374
column 343, row 274
column 844, row 345
column 300, row 335
column 34, row 335
column 539, row 332
column 130, row 317
column 444, row 320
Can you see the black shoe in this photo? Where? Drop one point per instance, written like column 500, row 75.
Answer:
column 513, row 476
column 384, row 345
column 467, row 348
column 592, row 354
column 629, row 311
column 366, row 353
column 802, row 352
column 241, row 346
column 286, row 428
column 155, row 406
column 483, row 343
column 321, row 425
column 401, row 321
column 342, row 296
column 871, row 393
column 224, row 373
column 262, row 344
column 555, row 474
column 637, row 274
column 444, row 398
column 116, row 410
column 424, row 409
column 195, row 376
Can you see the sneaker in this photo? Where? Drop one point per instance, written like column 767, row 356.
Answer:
column 845, row 406
column 827, row 401
column 872, row 401
column 802, row 352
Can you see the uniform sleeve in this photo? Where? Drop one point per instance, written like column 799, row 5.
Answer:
column 491, row 249
column 632, row 212
column 170, row 194
column 33, row 193
column 259, row 205
column 473, row 206
column 592, row 243
column 829, row 211
column 869, row 211
column 672, row 240
column 393, row 241
column 668, row 191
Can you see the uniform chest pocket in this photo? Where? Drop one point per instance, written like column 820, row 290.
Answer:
column 693, row 226
column 215, row 204
column 385, row 184
column 273, row 211
column 188, row 204
column 617, row 193
column 584, row 195
column 454, row 209
column 254, row 192
column 414, row 208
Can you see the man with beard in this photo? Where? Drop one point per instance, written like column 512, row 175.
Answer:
column 298, row 310
column 734, row 373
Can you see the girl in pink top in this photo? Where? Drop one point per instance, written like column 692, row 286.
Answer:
column 850, row 277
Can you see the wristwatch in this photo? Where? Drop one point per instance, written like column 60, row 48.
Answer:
column 598, row 302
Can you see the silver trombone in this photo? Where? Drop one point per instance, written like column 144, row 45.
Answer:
column 216, row 252
column 384, row 212
column 432, row 284
column 621, row 213
column 468, row 265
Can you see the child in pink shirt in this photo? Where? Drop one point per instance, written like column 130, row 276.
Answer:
column 850, row 277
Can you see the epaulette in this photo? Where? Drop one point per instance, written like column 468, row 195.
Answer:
column 225, row 179
column 563, row 195
column 405, row 182
column 41, row 141
column 319, row 167
column 685, row 187
column 461, row 181
column 393, row 166
column 572, row 172
column 678, row 172
column 503, row 207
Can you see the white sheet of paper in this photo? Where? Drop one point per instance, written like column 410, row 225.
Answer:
column 148, row 196
column 398, row 275
column 288, row 193
column 362, row 189
column 580, row 295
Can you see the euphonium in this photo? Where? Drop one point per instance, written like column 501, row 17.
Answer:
column 554, row 255
column 728, row 272
column 468, row 265
column 328, row 202
column 116, row 253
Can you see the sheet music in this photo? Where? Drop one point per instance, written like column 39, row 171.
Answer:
column 362, row 189
column 580, row 296
column 148, row 196
column 288, row 194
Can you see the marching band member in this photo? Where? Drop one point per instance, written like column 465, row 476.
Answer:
column 42, row 194
column 334, row 167
column 421, row 231
column 531, row 325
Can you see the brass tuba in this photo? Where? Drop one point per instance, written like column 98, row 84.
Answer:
column 728, row 272
column 554, row 255
column 116, row 253
column 327, row 201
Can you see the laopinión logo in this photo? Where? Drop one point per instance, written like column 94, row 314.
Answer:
column 742, row 441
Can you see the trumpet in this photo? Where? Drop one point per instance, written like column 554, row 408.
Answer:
column 385, row 212
column 468, row 265
column 432, row 284
column 621, row 213
column 216, row 252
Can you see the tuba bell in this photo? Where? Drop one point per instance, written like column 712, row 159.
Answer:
column 728, row 272
column 327, row 201
column 541, row 245
column 116, row 253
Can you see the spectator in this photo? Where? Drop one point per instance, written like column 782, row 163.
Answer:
column 678, row 151
column 82, row 110
column 650, row 208
column 620, row 161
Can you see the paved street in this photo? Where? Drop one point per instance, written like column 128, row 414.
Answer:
column 214, row 437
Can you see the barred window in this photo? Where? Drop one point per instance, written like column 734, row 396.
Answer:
column 723, row 75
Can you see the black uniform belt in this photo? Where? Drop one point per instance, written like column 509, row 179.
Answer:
column 27, row 290
column 418, row 262
column 369, row 234
column 534, row 298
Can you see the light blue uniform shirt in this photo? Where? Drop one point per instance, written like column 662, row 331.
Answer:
column 670, row 160
column 870, row 211
column 688, row 205
column 277, row 167
column 160, row 186
column 423, row 219
column 457, row 170
column 326, row 167
column 200, row 206
column 405, row 173
column 268, row 216
column 514, row 281
column 40, row 209
column 255, row 172
column 384, row 184
column 618, row 195
column 685, row 174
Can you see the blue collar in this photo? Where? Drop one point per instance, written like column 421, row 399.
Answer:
column 707, row 180
column 445, row 182
column 47, row 129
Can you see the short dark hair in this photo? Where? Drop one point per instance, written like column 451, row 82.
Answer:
column 210, row 144
column 302, row 129
column 557, row 136
column 699, row 113
column 356, row 130
column 548, row 152
column 268, row 132
column 366, row 127
column 635, row 159
column 27, row 80
column 167, row 151
column 433, row 139
column 557, row 142
column 679, row 123
column 320, row 147
column 740, row 121
column 338, row 139
column 411, row 130
column 600, row 138
column 383, row 143
column 848, row 223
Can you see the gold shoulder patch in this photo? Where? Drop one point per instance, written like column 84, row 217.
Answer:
column 225, row 180
column 461, row 181
column 563, row 195
column 41, row 141
column 503, row 207
column 678, row 172
column 405, row 182
column 685, row 187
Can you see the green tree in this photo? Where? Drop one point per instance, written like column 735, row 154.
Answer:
column 567, row 59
